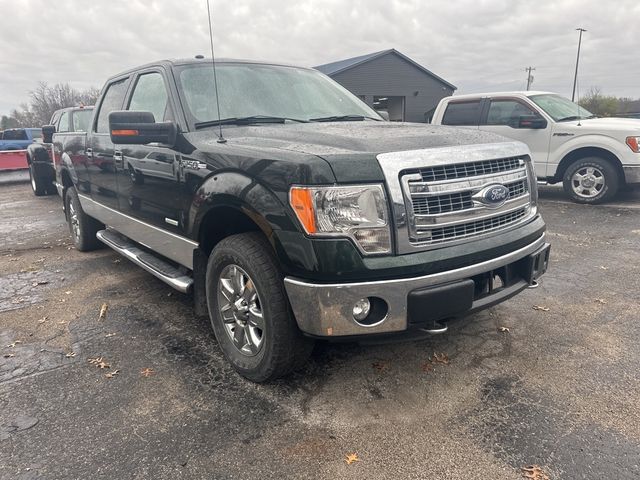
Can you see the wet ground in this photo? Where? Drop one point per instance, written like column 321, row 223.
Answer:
column 557, row 387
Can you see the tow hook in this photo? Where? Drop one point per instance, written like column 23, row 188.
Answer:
column 534, row 284
column 436, row 329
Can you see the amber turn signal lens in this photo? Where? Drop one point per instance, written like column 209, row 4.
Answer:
column 634, row 144
column 124, row 133
column 302, row 203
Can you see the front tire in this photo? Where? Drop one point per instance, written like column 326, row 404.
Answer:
column 249, row 311
column 83, row 228
column 591, row 180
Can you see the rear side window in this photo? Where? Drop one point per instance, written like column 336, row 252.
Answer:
column 150, row 95
column 462, row 113
column 64, row 123
column 507, row 112
column 18, row 134
column 112, row 101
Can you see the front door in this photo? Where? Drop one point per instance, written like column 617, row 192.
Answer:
column 149, row 186
column 503, row 117
column 100, row 153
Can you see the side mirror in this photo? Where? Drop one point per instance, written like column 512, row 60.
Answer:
column 139, row 128
column 47, row 133
column 532, row 121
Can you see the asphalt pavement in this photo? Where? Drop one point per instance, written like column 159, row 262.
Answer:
column 548, row 379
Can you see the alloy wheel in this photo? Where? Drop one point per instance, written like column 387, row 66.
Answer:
column 240, row 308
column 588, row 182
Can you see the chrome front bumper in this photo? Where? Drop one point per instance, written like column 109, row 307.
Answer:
column 631, row 174
column 325, row 310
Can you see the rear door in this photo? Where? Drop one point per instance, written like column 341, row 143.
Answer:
column 100, row 153
column 503, row 116
column 149, row 186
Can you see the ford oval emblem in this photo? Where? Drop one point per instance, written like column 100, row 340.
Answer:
column 493, row 196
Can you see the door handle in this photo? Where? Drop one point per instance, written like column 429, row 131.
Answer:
column 89, row 152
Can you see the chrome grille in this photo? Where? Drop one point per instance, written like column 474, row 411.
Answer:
column 473, row 169
column 445, row 203
column 477, row 227
column 452, row 202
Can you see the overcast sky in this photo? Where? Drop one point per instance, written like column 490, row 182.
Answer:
column 478, row 45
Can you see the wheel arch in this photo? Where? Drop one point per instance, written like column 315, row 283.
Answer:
column 585, row 152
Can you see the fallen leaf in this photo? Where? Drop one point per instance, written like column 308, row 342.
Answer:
column 70, row 354
column 534, row 472
column 39, row 282
column 99, row 362
column 147, row 372
column 601, row 301
column 380, row 366
column 504, row 329
column 108, row 335
column 427, row 367
column 604, row 268
column 68, row 292
column 11, row 345
column 112, row 374
column 43, row 319
column 103, row 311
column 538, row 307
column 9, row 355
column 117, row 260
column 351, row 458
column 441, row 358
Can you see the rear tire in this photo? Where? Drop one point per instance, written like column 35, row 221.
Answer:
column 40, row 185
column 249, row 310
column 83, row 228
column 591, row 180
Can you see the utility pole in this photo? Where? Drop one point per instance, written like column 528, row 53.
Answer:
column 575, row 77
column 529, row 76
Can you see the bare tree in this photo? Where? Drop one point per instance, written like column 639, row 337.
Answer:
column 599, row 104
column 45, row 100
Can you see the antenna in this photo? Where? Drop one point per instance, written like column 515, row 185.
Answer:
column 221, row 139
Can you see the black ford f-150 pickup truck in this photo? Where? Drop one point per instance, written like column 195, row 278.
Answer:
column 294, row 212
column 41, row 157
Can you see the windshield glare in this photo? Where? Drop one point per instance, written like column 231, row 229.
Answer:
column 558, row 107
column 247, row 90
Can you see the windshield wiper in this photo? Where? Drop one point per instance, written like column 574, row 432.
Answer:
column 568, row 119
column 343, row 118
column 246, row 121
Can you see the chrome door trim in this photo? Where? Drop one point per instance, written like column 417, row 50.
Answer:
column 176, row 248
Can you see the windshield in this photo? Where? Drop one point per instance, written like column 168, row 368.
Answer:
column 81, row 120
column 560, row 108
column 250, row 90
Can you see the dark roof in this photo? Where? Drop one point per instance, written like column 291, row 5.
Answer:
column 342, row 65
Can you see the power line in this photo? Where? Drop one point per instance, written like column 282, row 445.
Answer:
column 529, row 76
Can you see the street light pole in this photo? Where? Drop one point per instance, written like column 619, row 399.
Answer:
column 575, row 77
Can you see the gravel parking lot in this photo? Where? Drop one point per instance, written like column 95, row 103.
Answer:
column 557, row 387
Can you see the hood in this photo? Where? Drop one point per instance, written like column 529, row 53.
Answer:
column 334, row 139
column 630, row 125
column 349, row 148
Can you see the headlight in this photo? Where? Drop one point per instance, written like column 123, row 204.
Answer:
column 359, row 212
column 634, row 143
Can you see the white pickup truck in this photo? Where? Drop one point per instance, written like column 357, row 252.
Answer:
column 593, row 157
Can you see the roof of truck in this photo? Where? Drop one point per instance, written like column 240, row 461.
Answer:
column 526, row 93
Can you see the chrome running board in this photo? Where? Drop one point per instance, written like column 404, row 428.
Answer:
column 156, row 266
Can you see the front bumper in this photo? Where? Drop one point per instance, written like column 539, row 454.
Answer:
column 325, row 310
column 631, row 174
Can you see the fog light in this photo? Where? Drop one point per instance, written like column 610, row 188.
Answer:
column 361, row 309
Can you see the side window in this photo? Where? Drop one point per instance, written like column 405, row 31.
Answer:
column 150, row 95
column 64, row 123
column 17, row 134
column 507, row 112
column 462, row 113
column 111, row 101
